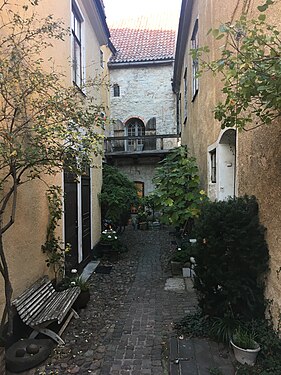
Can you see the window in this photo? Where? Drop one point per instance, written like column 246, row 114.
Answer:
column 76, row 29
column 185, row 96
column 194, row 46
column 116, row 90
column 135, row 128
column 213, row 163
column 101, row 59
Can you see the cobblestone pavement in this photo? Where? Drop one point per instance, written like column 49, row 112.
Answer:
column 126, row 325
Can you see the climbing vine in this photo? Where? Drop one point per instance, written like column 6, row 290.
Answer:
column 53, row 246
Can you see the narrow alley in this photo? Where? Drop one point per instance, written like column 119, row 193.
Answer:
column 128, row 323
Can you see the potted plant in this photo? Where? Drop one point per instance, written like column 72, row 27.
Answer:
column 245, row 347
column 142, row 217
column 84, row 296
column 109, row 244
column 75, row 280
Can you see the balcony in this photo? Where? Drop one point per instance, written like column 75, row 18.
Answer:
column 156, row 145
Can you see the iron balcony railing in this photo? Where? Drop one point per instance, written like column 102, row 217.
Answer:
column 143, row 143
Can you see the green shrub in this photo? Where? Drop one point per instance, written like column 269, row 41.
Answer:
column 231, row 259
column 117, row 196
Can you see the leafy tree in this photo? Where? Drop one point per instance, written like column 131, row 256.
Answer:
column 177, row 194
column 251, row 71
column 44, row 126
column 117, row 196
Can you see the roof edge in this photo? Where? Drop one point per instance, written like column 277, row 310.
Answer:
column 184, row 24
column 130, row 64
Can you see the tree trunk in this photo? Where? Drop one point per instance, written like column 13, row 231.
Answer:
column 8, row 311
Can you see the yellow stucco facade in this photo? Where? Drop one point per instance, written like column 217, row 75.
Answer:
column 250, row 160
column 24, row 240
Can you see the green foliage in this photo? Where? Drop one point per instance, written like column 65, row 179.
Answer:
column 72, row 281
column 222, row 329
column 194, row 325
column 184, row 252
column 53, row 246
column 231, row 259
column 117, row 196
column 250, row 69
column 108, row 237
column 177, row 194
column 244, row 339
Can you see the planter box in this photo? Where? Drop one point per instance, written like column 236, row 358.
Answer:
column 143, row 226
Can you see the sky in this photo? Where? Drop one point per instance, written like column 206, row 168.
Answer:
column 117, row 10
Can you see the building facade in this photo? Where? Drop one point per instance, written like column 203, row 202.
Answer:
column 230, row 163
column 142, row 101
column 79, row 57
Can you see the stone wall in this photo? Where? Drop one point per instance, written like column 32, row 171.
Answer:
column 145, row 92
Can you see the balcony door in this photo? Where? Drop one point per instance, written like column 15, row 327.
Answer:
column 135, row 128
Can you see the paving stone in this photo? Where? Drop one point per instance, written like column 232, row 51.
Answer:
column 126, row 326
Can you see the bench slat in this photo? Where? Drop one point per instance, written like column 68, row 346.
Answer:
column 57, row 307
column 41, row 304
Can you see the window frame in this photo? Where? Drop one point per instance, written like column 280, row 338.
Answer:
column 135, row 128
column 213, row 165
column 195, row 66
column 185, row 78
column 101, row 58
column 77, row 44
column 116, row 90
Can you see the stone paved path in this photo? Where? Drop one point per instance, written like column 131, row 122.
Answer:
column 126, row 328
column 146, row 319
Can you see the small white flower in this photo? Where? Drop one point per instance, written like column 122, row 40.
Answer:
column 116, row 237
column 104, row 232
column 73, row 270
column 109, row 236
column 179, row 248
column 73, row 283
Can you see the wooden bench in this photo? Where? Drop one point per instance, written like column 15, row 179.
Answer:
column 40, row 305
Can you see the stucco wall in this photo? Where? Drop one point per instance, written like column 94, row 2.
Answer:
column 258, row 151
column 23, row 241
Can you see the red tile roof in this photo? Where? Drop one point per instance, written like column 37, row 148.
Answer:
column 138, row 42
